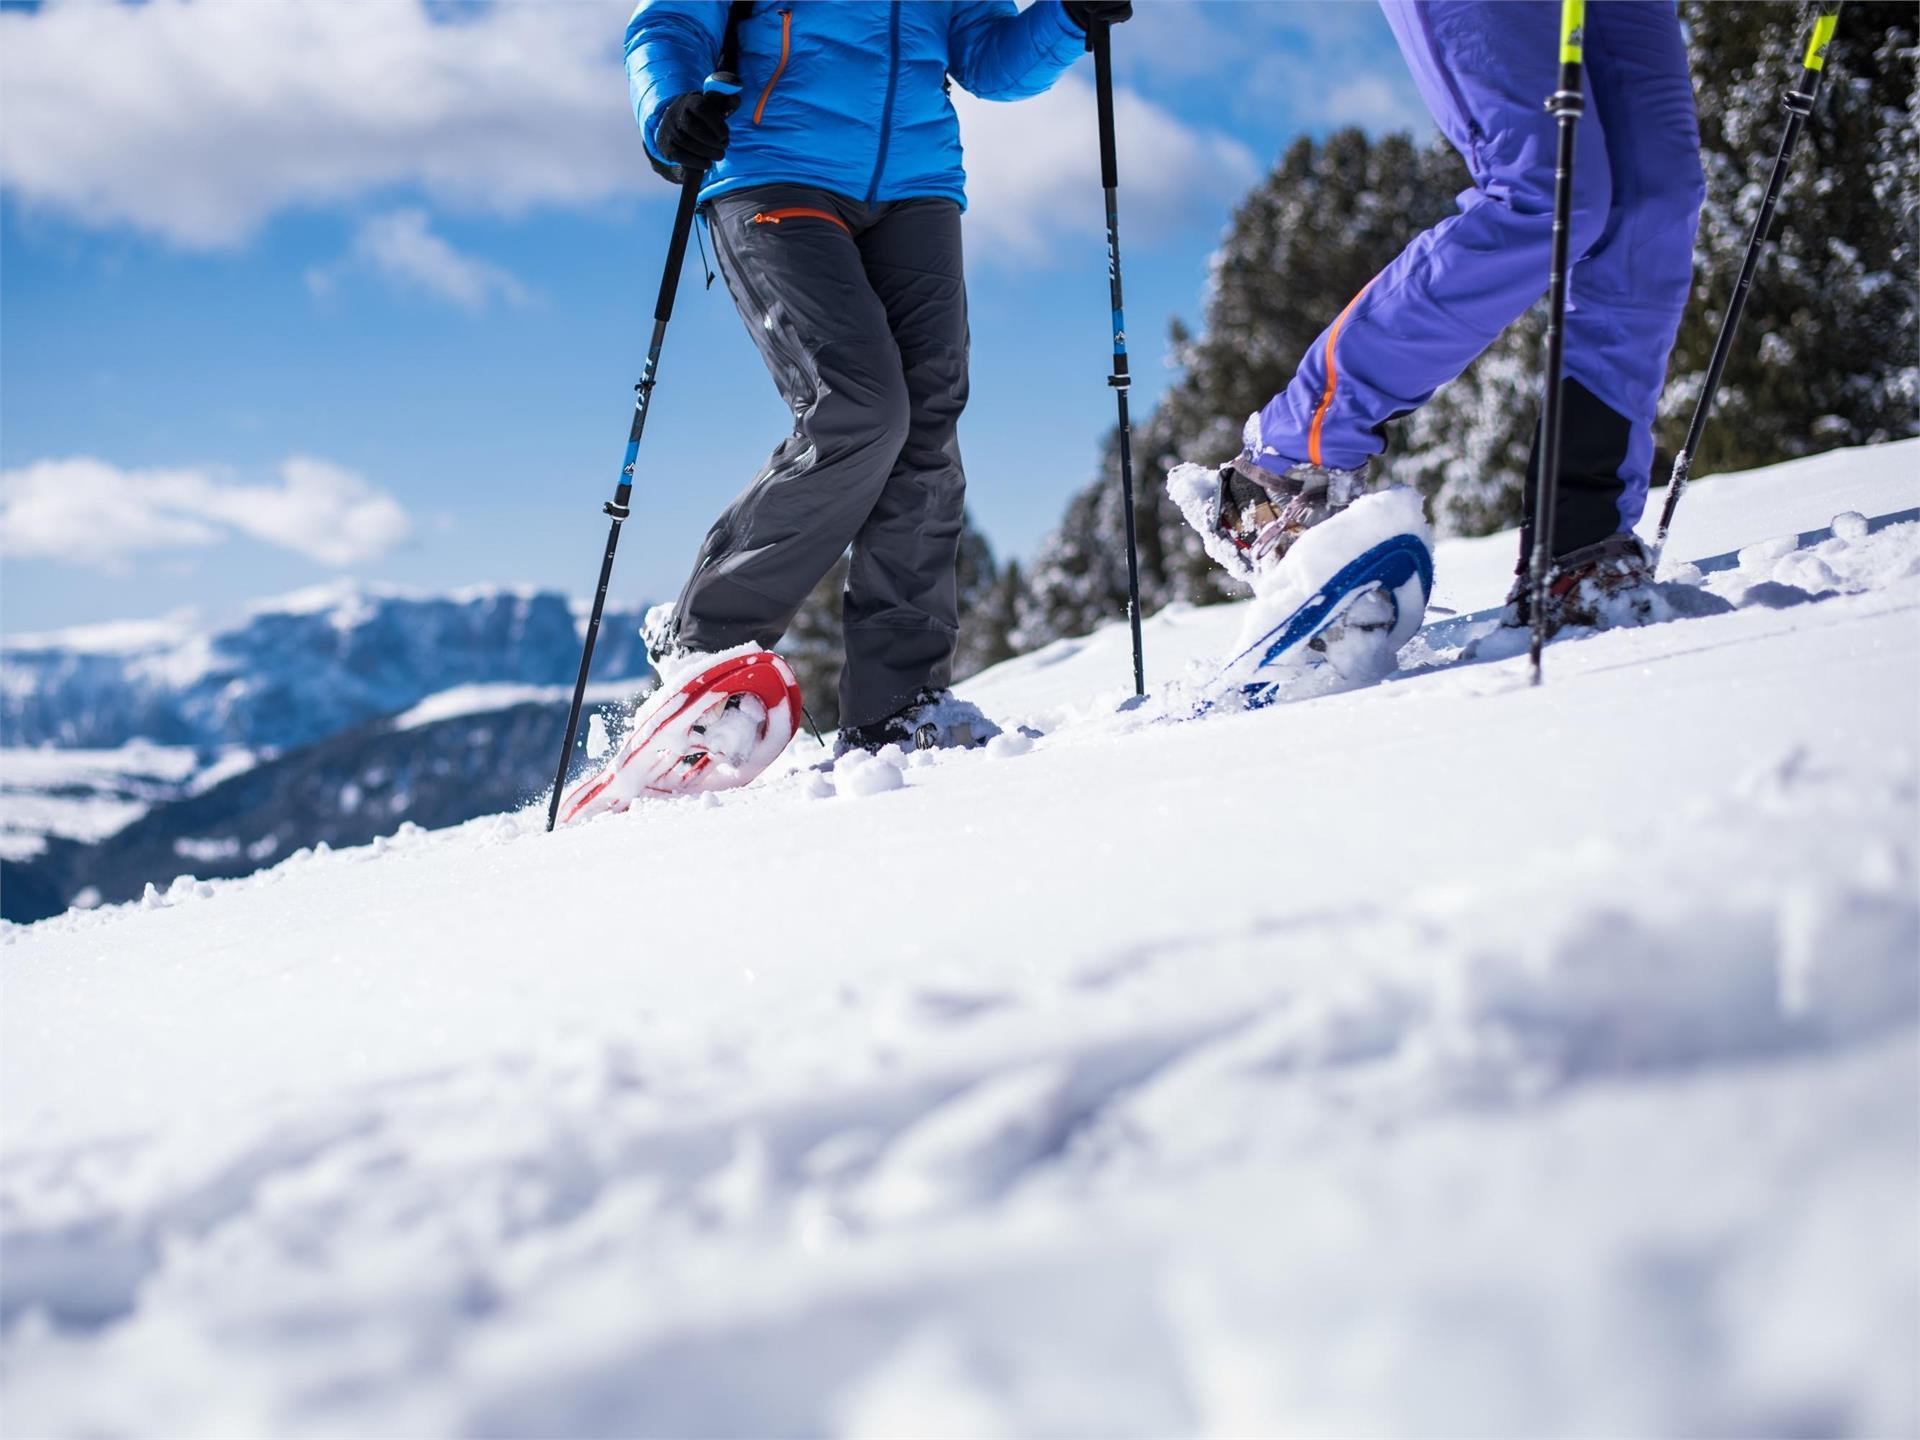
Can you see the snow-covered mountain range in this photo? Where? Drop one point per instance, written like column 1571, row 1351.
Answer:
column 474, row 750
column 295, row 669
column 1447, row 1057
column 110, row 731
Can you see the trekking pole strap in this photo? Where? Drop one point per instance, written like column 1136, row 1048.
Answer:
column 677, row 245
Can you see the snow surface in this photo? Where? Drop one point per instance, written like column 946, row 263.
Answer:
column 1447, row 1057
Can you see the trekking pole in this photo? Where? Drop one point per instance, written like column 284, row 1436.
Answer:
column 721, row 82
column 1100, row 41
column 1566, row 105
column 1799, row 102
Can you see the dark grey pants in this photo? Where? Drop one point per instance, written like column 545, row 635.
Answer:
column 861, row 315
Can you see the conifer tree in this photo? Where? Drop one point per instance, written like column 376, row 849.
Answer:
column 1826, row 353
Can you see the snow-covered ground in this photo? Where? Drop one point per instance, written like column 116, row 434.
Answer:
column 1448, row 1057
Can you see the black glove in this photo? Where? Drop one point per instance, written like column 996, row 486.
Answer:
column 693, row 128
column 1088, row 13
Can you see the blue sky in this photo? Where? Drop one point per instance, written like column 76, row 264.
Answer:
column 296, row 291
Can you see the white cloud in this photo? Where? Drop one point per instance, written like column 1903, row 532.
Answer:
column 197, row 122
column 1033, row 168
column 401, row 246
column 86, row 511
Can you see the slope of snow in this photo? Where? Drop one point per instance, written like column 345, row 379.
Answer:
column 1719, row 517
column 1448, row 1057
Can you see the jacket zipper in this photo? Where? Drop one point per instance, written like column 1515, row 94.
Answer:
column 886, row 114
column 786, row 42
column 799, row 212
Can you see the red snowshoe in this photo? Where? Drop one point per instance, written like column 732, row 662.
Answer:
column 714, row 729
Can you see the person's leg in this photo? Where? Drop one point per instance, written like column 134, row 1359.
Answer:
column 1485, row 70
column 1626, row 297
column 902, row 607
column 790, row 260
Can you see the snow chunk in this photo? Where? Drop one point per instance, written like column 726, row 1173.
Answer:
column 681, row 668
column 1759, row 558
column 859, row 773
column 1195, row 490
column 1009, row 744
column 1847, row 559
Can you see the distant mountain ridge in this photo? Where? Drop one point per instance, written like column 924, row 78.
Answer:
column 347, row 789
column 296, row 669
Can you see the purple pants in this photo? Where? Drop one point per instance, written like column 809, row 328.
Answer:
column 1485, row 70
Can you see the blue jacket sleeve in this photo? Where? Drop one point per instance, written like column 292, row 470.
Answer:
column 672, row 46
column 1000, row 53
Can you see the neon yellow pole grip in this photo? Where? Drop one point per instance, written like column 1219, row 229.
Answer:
column 1821, row 38
column 1573, row 24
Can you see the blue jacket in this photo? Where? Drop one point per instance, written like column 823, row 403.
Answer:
column 848, row 95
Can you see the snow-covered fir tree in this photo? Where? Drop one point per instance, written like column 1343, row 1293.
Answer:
column 1825, row 354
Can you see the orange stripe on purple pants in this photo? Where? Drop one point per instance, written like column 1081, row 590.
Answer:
column 1333, row 378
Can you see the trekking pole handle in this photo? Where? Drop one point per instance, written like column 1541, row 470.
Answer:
column 1100, row 41
column 1824, row 21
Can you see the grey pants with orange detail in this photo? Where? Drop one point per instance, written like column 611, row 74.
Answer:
column 860, row 312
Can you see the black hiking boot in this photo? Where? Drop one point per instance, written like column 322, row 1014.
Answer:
column 1597, row 587
column 932, row 720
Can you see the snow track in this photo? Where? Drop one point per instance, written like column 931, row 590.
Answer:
column 1441, row 1058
